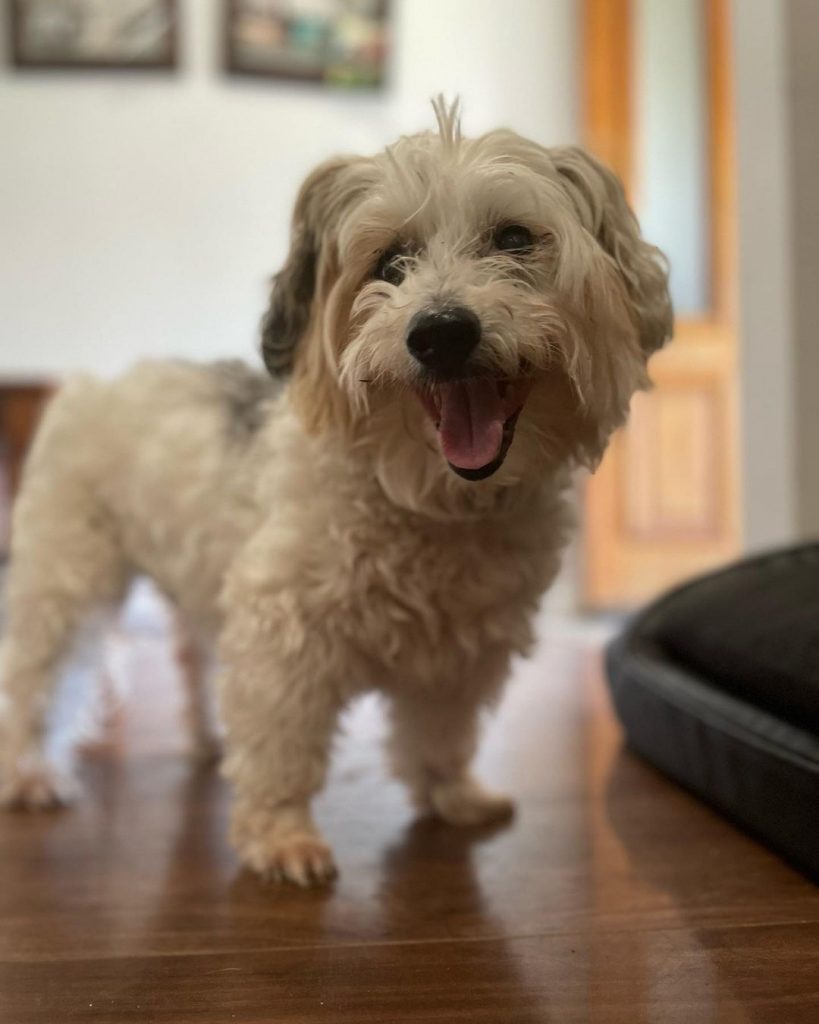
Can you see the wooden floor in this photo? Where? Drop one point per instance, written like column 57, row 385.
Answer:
column 613, row 897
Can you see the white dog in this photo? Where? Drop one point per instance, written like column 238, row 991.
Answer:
column 460, row 322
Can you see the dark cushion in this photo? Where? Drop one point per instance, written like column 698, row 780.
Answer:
column 717, row 683
column 753, row 629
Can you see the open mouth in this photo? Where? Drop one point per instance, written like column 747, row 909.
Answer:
column 475, row 418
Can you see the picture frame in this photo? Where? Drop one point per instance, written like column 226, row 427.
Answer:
column 335, row 42
column 112, row 35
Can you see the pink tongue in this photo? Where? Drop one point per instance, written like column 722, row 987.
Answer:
column 471, row 426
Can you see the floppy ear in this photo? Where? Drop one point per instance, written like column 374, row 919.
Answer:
column 320, row 202
column 600, row 201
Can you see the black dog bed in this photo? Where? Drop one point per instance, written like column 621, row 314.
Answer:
column 717, row 684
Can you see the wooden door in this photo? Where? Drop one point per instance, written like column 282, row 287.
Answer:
column 664, row 503
column 20, row 407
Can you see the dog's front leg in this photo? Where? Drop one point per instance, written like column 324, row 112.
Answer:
column 434, row 737
column 279, row 717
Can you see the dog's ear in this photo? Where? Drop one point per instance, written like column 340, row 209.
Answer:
column 321, row 200
column 600, row 201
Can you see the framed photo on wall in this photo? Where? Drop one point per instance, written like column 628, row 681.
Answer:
column 76, row 34
column 342, row 42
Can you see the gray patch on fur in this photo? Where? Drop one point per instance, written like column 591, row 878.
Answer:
column 245, row 393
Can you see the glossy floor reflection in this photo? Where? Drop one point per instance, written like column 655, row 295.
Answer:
column 613, row 896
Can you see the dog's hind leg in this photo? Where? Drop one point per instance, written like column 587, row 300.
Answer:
column 66, row 569
column 195, row 661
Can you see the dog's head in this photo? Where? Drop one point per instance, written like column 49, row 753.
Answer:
column 480, row 308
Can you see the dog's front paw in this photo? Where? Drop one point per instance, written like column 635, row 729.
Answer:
column 466, row 802
column 302, row 859
column 40, row 787
column 283, row 847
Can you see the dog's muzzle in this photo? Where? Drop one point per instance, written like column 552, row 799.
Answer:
column 474, row 413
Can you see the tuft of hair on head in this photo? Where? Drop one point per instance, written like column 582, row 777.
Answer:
column 448, row 116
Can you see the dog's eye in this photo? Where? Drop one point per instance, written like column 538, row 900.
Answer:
column 513, row 238
column 390, row 266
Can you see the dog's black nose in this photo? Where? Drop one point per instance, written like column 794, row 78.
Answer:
column 443, row 341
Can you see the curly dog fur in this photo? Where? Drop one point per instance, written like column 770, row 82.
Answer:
column 372, row 513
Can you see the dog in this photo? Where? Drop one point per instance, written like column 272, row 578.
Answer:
column 459, row 324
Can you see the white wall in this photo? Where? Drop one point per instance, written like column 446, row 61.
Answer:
column 763, row 197
column 803, row 99
column 141, row 215
column 770, row 219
